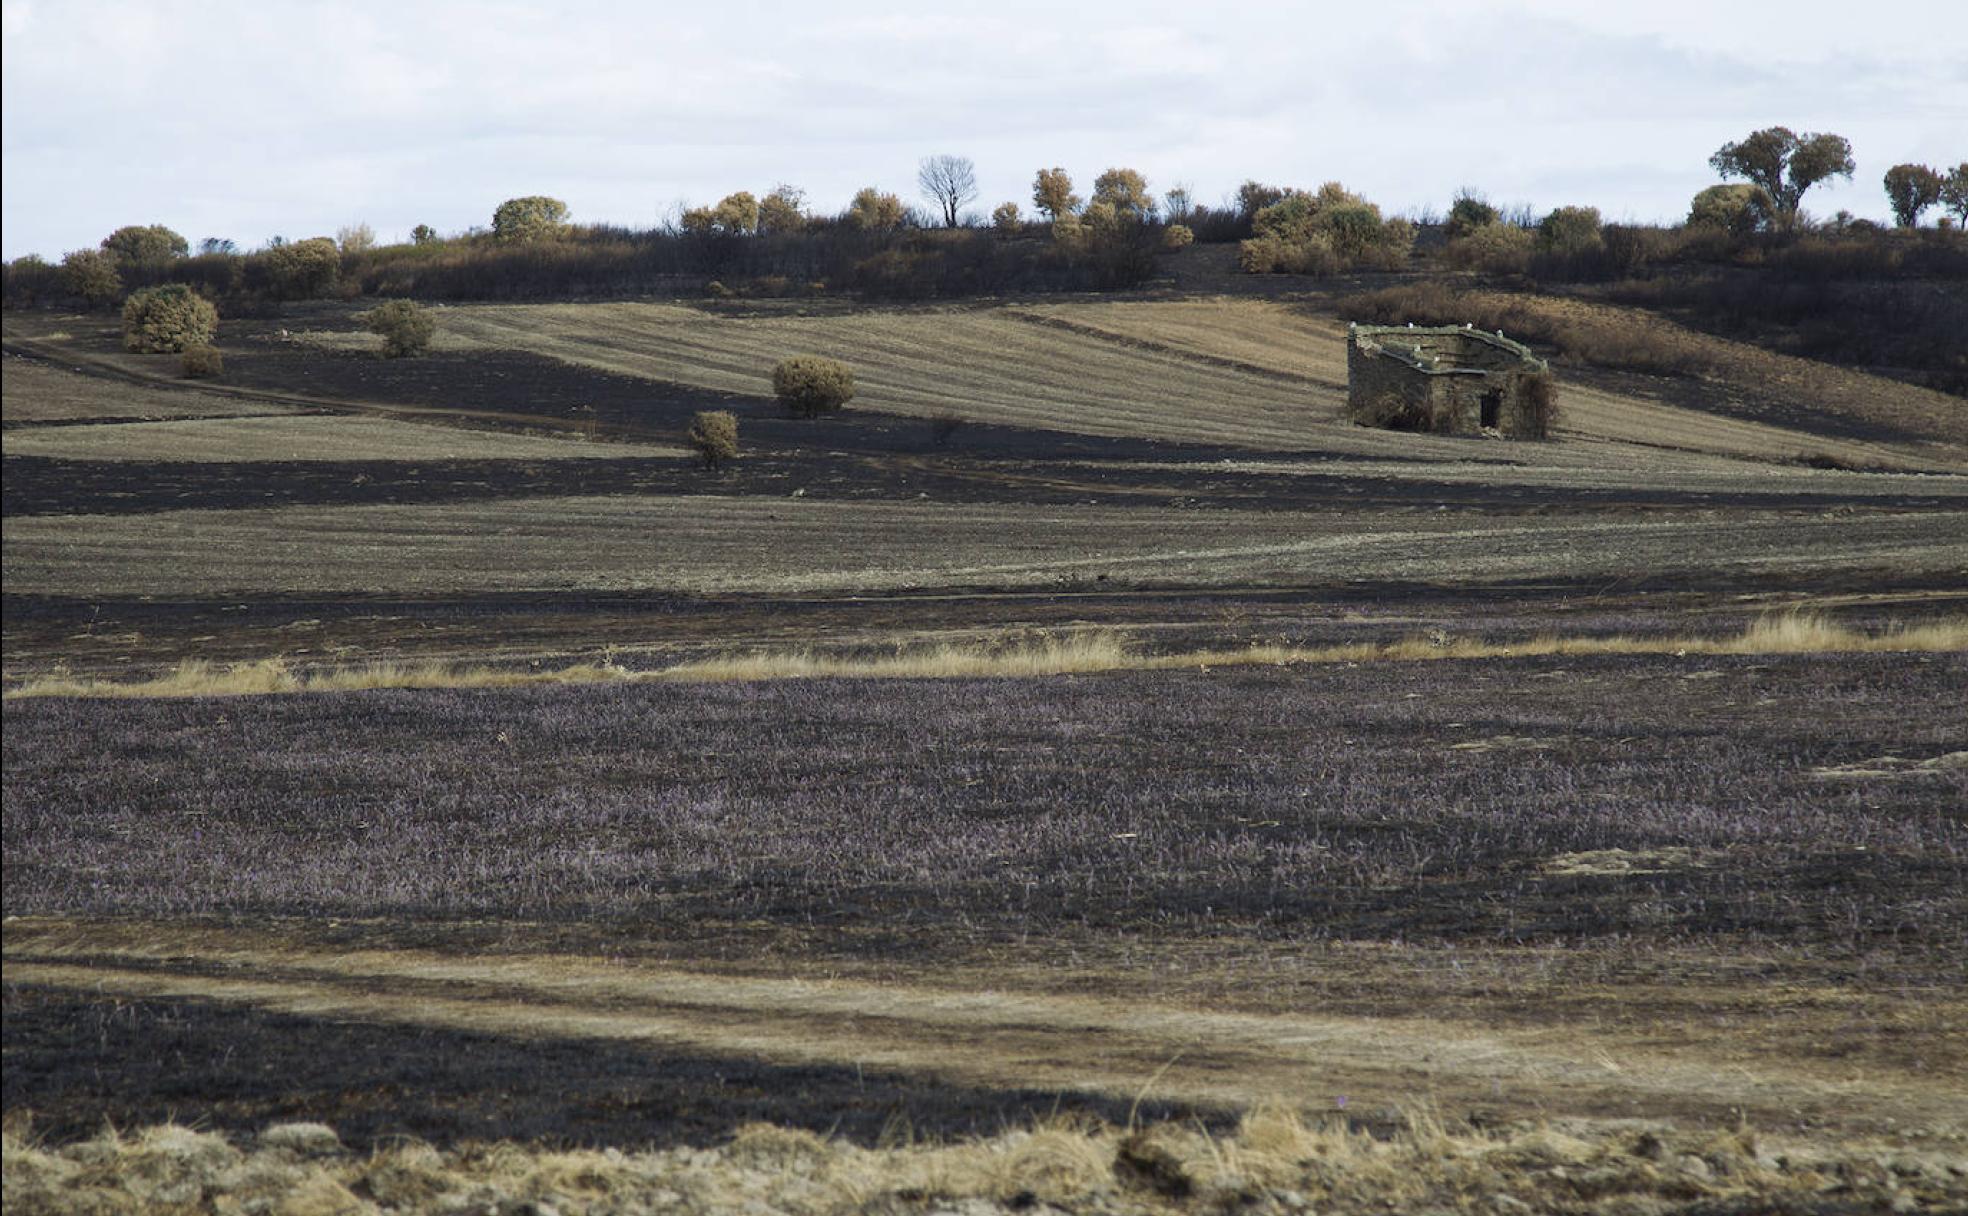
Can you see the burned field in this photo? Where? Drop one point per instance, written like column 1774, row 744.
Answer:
column 1494, row 895
column 1606, row 853
column 1001, row 806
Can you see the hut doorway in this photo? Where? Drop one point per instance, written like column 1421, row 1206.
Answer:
column 1492, row 408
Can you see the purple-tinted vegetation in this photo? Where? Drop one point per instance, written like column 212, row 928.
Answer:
column 1309, row 801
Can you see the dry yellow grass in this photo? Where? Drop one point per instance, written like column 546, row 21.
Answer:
column 1107, row 651
column 1083, row 652
column 306, row 438
column 1276, row 1158
column 196, row 678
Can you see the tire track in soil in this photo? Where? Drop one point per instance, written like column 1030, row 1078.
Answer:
column 992, row 1038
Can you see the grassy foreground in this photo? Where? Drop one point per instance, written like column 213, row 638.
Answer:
column 1274, row 1161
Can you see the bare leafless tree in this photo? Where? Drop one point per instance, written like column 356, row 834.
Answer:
column 950, row 182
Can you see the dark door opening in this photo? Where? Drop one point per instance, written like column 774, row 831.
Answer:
column 1492, row 408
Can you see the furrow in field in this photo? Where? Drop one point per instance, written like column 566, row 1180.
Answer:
column 713, row 544
column 304, row 438
column 986, row 366
column 1243, row 373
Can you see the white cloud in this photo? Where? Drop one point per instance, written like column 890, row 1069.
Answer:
column 246, row 119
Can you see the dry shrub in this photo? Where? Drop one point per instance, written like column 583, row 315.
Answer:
column 1540, row 405
column 202, row 362
column 1178, row 236
column 404, row 325
column 1635, row 345
column 872, row 210
column 713, row 434
column 809, row 385
column 1493, row 248
column 1313, row 255
column 168, row 318
column 1391, row 412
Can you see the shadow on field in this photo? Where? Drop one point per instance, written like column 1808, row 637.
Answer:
column 77, row 1061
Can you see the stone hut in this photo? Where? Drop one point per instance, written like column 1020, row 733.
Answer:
column 1446, row 380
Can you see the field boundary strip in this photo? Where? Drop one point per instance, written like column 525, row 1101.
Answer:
column 1085, row 652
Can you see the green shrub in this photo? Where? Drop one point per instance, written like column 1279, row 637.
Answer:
column 406, row 327
column 303, row 269
column 811, row 384
column 1324, row 233
column 1911, row 189
column 1176, row 236
column 1468, row 213
column 168, row 318
column 202, row 362
column 1269, row 254
column 532, row 218
column 1569, row 230
column 714, row 436
column 91, row 274
column 1495, row 248
column 145, row 245
column 1741, row 208
column 1954, row 192
column 423, row 234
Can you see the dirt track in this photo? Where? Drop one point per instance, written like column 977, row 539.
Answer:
column 994, row 1038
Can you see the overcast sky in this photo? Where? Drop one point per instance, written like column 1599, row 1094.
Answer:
column 246, row 120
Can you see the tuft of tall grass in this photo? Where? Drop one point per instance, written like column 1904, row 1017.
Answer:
column 197, row 678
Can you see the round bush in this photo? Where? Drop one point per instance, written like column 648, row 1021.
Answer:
column 1175, row 236
column 300, row 270
column 405, row 326
column 809, row 384
column 168, row 318
column 202, row 362
column 1497, row 248
column 714, row 435
column 91, row 274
